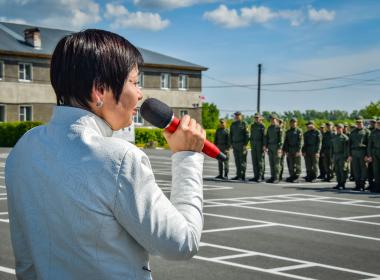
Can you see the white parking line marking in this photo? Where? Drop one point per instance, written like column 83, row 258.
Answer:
column 4, row 220
column 360, row 217
column 3, row 213
column 277, row 271
column 238, row 228
column 296, row 227
column 7, row 270
column 292, row 267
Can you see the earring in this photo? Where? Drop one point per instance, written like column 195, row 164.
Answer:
column 99, row 103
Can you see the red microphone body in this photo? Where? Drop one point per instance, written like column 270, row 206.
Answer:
column 161, row 115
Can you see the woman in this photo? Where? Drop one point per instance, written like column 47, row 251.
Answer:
column 85, row 205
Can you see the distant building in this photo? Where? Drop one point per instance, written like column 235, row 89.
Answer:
column 26, row 93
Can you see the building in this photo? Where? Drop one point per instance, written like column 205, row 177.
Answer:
column 26, row 93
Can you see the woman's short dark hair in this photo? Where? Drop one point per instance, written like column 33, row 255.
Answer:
column 91, row 58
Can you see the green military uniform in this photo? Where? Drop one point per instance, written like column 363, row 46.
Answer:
column 371, row 176
column 292, row 148
column 222, row 141
column 311, row 148
column 339, row 151
column 282, row 157
column 326, row 155
column 374, row 153
column 321, row 166
column 358, row 152
column 239, row 139
column 257, row 138
column 274, row 142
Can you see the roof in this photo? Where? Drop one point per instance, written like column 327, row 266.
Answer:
column 12, row 41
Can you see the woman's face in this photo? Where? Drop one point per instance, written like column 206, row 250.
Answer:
column 120, row 115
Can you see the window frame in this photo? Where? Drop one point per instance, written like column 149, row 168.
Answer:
column 19, row 72
column 141, row 80
column 168, row 81
column 5, row 112
column 138, row 116
column 183, row 112
column 180, row 87
column 24, row 114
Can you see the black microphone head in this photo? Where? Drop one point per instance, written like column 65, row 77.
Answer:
column 156, row 112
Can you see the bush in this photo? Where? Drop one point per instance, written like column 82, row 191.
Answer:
column 10, row 132
column 146, row 135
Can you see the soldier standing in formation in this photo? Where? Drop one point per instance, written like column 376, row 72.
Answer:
column 340, row 151
column 222, row 141
column 239, row 139
column 327, row 137
column 292, row 149
column 374, row 155
column 358, row 153
column 310, row 150
column 371, row 178
column 282, row 158
column 273, row 146
column 322, row 172
column 257, row 148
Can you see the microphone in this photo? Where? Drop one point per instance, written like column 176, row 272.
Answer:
column 161, row 115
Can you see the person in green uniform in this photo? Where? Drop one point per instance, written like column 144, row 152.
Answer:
column 351, row 177
column 310, row 150
column 322, row 172
column 273, row 146
column 292, row 149
column 327, row 137
column 239, row 139
column 339, row 151
column 257, row 148
column 282, row 158
column 346, row 131
column 374, row 155
column 371, row 177
column 358, row 153
column 222, row 141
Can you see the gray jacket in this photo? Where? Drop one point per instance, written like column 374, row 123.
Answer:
column 84, row 205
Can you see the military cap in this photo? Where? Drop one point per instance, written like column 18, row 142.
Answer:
column 237, row 113
column 378, row 119
column 329, row 124
column 359, row 119
column 352, row 126
column 310, row 123
column 293, row 119
column 373, row 120
column 222, row 120
column 322, row 125
column 340, row 125
column 273, row 116
column 346, row 124
column 257, row 115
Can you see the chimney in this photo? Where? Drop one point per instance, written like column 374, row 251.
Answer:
column 33, row 37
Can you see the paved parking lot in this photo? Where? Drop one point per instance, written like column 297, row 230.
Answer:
column 262, row 231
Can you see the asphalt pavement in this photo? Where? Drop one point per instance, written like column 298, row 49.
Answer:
column 261, row 231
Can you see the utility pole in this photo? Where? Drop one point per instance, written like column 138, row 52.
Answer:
column 258, row 89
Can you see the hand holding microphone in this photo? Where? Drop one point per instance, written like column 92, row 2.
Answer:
column 186, row 133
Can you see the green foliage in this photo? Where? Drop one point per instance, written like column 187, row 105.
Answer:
column 146, row 135
column 210, row 115
column 371, row 111
column 10, row 132
column 210, row 135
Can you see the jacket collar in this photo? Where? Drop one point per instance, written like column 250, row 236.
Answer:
column 74, row 115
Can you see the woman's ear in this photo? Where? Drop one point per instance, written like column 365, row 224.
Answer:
column 97, row 95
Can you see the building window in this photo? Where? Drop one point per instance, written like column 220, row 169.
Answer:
column 25, row 72
column 26, row 113
column 141, row 79
column 183, row 82
column 1, row 70
column 183, row 112
column 137, row 119
column 2, row 113
column 165, row 81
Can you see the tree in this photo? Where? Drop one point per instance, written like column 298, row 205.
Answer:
column 371, row 111
column 210, row 115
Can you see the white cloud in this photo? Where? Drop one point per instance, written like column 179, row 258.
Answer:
column 231, row 18
column 122, row 18
column 321, row 15
column 67, row 14
column 168, row 4
column 13, row 20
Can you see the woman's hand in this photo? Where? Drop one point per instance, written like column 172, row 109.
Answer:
column 189, row 136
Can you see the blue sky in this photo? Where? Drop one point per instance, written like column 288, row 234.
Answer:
column 294, row 41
